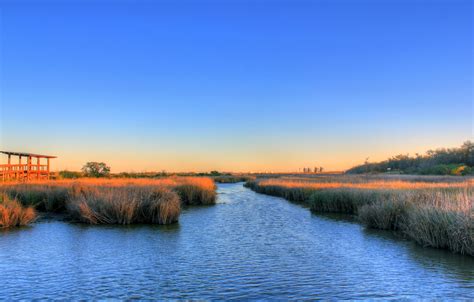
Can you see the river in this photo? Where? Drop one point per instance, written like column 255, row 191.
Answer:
column 247, row 246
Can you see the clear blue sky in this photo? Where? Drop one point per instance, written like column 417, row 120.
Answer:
column 234, row 85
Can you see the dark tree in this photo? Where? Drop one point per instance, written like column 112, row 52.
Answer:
column 95, row 169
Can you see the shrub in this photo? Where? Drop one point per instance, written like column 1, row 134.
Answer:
column 468, row 171
column 69, row 174
column 442, row 169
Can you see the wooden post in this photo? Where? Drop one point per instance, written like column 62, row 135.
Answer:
column 48, row 167
column 38, row 168
column 28, row 168
column 9, row 167
column 20, row 167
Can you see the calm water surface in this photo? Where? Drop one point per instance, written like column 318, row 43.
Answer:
column 248, row 246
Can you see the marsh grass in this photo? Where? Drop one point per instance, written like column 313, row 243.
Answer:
column 115, row 201
column 435, row 214
column 203, row 193
column 123, row 205
column 44, row 197
column 295, row 194
column 232, row 178
column 443, row 220
column 13, row 214
column 384, row 215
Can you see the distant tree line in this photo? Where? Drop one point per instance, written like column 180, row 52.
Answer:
column 100, row 169
column 445, row 161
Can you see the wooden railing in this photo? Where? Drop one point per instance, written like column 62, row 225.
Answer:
column 23, row 171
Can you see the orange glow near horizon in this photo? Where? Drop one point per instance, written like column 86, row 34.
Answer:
column 331, row 158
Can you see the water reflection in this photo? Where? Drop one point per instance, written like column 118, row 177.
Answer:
column 248, row 246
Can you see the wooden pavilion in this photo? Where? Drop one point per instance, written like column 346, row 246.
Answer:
column 25, row 171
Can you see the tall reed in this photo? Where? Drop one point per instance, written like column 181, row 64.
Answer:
column 123, row 205
column 195, row 191
column 13, row 214
column 47, row 197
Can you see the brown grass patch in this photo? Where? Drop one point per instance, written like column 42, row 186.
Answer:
column 117, row 201
column 13, row 214
column 123, row 205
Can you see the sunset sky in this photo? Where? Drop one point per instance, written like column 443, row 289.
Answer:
column 234, row 85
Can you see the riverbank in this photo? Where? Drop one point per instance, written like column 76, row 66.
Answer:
column 113, row 201
column 434, row 212
column 248, row 246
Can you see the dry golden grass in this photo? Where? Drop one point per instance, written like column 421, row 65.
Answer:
column 377, row 184
column 119, row 201
column 12, row 213
column 123, row 204
column 203, row 182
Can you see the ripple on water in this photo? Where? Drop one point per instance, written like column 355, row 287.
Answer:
column 248, row 246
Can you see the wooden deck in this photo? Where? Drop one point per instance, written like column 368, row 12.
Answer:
column 25, row 171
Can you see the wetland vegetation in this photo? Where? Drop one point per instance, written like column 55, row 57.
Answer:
column 433, row 211
column 14, row 214
column 109, row 201
column 248, row 246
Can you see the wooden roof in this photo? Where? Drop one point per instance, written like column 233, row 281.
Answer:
column 27, row 154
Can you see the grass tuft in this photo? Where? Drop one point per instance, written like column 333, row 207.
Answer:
column 123, row 205
column 13, row 214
